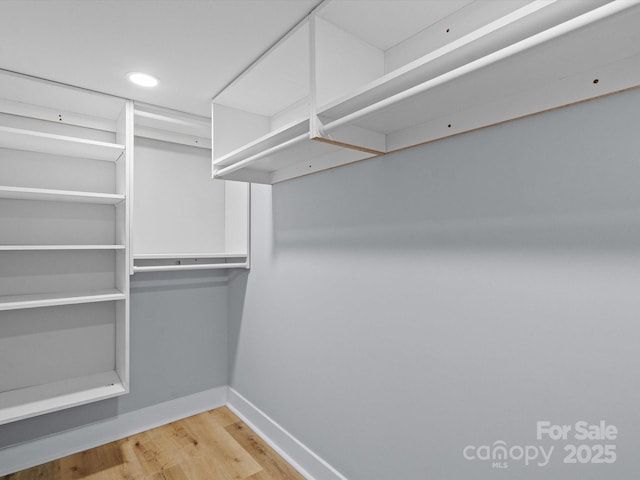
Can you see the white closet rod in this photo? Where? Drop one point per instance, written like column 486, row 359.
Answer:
column 164, row 256
column 167, row 268
column 518, row 47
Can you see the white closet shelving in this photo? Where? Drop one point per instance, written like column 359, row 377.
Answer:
column 261, row 122
column 183, row 219
column 64, row 246
column 387, row 75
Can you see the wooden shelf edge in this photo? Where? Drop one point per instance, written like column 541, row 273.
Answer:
column 40, row 399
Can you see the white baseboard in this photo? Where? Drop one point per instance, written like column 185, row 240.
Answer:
column 303, row 459
column 27, row 455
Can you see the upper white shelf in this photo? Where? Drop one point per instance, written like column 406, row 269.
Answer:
column 540, row 56
column 33, row 141
column 437, row 69
column 265, row 111
column 45, row 194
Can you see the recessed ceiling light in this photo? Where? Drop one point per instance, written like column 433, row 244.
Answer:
column 143, row 79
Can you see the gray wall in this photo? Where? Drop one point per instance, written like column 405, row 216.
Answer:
column 178, row 347
column 402, row 308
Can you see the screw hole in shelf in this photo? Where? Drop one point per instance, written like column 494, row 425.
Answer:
column 596, row 81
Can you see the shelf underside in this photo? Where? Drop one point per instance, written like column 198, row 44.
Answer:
column 36, row 400
column 46, row 194
column 15, row 302
column 61, row 145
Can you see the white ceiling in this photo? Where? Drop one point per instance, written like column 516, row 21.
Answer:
column 194, row 47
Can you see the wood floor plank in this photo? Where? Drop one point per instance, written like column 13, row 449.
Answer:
column 221, row 416
column 81, row 466
column 272, row 464
column 222, row 448
column 116, row 462
column 214, row 445
column 200, row 468
column 152, row 457
column 175, row 472
column 48, row 471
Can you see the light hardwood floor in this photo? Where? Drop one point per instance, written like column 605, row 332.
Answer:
column 214, row 445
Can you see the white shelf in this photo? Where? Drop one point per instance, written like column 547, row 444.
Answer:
column 12, row 248
column 44, row 194
column 27, row 402
column 478, row 32
column 566, row 57
column 433, row 72
column 19, row 139
column 75, row 145
column 16, row 302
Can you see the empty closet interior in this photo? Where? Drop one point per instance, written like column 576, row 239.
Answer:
column 97, row 189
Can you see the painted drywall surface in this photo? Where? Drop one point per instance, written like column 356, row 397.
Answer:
column 454, row 295
column 173, row 194
column 178, row 347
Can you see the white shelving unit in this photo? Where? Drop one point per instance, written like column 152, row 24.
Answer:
column 183, row 219
column 388, row 75
column 64, row 246
column 262, row 122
